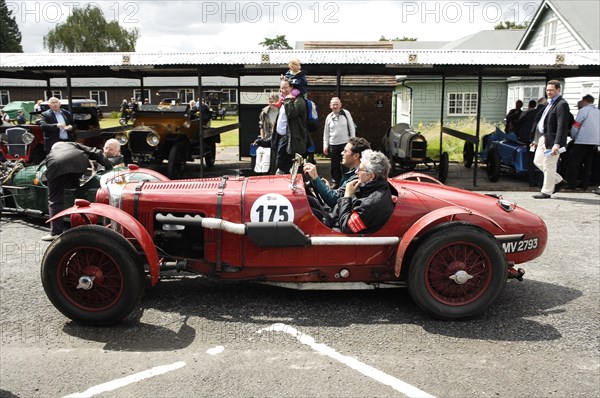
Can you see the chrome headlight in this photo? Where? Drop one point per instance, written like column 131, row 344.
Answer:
column 187, row 124
column 122, row 138
column 27, row 138
column 152, row 139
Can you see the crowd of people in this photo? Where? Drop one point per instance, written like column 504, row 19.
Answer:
column 357, row 199
column 546, row 126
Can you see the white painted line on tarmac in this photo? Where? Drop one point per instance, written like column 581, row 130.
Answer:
column 134, row 378
column 215, row 350
column 353, row 363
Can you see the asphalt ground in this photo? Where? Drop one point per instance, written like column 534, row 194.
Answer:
column 194, row 337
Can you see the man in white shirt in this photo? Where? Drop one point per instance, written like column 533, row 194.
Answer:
column 339, row 127
column 57, row 124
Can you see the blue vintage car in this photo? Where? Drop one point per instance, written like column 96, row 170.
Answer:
column 501, row 153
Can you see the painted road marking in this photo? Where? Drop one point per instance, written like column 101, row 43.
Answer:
column 134, row 378
column 353, row 363
column 215, row 350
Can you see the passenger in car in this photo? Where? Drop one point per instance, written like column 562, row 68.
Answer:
column 367, row 202
column 351, row 156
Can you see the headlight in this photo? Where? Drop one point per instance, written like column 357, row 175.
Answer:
column 152, row 139
column 187, row 124
column 122, row 138
column 27, row 138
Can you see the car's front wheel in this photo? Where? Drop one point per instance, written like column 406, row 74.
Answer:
column 457, row 272
column 91, row 275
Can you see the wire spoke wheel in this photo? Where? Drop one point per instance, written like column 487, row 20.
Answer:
column 457, row 271
column 91, row 275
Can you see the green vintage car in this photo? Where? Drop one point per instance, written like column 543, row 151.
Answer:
column 24, row 189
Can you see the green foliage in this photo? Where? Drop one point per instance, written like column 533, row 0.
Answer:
column 383, row 38
column 86, row 30
column 510, row 25
column 10, row 35
column 452, row 145
column 278, row 43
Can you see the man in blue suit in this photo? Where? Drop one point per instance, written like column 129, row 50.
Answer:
column 57, row 124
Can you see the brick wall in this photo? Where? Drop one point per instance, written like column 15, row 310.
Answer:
column 372, row 121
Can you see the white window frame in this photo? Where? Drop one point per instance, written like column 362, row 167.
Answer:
column 53, row 93
column 227, row 92
column 532, row 88
column 462, row 104
column 4, row 93
column 97, row 95
column 186, row 95
column 549, row 35
column 137, row 93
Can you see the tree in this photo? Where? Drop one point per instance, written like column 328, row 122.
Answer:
column 383, row 38
column 86, row 30
column 510, row 25
column 10, row 35
column 278, row 43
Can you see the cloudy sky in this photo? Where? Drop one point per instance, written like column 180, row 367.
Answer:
column 168, row 26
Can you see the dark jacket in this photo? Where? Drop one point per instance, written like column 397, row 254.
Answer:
column 297, row 116
column 526, row 124
column 51, row 131
column 557, row 123
column 367, row 211
column 539, row 111
column 72, row 158
column 330, row 196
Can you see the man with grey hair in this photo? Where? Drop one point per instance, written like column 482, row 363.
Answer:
column 339, row 127
column 367, row 202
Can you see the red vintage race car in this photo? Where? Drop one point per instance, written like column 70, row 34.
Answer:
column 453, row 249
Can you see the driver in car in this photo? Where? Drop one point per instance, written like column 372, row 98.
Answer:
column 367, row 202
column 65, row 164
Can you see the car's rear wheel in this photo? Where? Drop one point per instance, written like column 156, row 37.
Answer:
column 493, row 164
column 176, row 165
column 468, row 154
column 91, row 275
column 457, row 272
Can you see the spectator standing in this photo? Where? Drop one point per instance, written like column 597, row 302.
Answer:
column 554, row 128
column 66, row 162
column 586, row 138
column 57, row 124
column 267, row 117
column 526, row 124
column 339, row 127
column 124, row 111
column 4, row 117
column 292, row 135
column 38, row 106
column 512, row 118
column 21, row 118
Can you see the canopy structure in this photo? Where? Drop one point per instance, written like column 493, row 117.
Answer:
column 320, row 62
column 331, row 62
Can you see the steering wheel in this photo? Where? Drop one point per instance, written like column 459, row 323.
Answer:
column 91, row 171
column 309, row 187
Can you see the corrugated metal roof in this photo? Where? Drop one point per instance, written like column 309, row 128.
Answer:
column 308, row 57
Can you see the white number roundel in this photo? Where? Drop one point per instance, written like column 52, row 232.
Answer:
column 272, row 207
